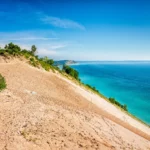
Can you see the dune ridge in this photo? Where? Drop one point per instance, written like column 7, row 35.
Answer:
column 44, row 110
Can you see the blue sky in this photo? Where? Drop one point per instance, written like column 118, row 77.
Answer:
column 87, row 30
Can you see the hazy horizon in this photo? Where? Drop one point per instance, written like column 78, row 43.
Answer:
column 104, row 60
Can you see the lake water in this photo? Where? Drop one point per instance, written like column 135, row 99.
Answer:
column 127, row 82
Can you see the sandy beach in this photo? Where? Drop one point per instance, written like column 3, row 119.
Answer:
column 44, row 110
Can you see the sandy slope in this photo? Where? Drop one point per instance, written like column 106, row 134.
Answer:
column 41, row 110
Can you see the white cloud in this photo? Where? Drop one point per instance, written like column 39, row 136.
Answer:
column 46, row 52
column 56, row 45
column 50, row 49
column 62, row 23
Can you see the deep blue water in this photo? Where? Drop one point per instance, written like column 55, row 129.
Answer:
column 127, row 82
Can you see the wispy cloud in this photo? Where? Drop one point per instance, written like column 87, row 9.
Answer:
column 29, row 38
column 51, row 49
column 55, row 46
column 46, row 52
column 62, row 23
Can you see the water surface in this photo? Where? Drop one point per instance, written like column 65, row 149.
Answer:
column 127, row 82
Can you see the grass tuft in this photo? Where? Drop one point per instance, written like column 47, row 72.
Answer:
column 2, row 83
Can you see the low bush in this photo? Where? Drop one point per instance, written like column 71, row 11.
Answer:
column 93, row 88
column 2, row 83
column 34, row 62
column 45, row 65
column 71, row 72
column 112, row 100
column 2, row 52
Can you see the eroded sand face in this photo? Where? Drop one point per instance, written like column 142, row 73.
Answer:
column 40, row 110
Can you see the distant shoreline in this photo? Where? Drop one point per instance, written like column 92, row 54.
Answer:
column 111, row 62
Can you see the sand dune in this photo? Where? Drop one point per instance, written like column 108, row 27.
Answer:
column 43, row 110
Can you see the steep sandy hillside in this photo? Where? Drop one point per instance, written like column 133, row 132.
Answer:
column 41, row 111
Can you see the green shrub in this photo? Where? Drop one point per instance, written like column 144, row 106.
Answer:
column 33, row 50
column 112, row 100
column 26, row 54
column 93, row 88
column 57, row 68
column 31, row 59
column 71, row 72
column 47, row 60
column 2, row 83
column 34, row 62
column 45, row 65
column 37, row 57
column 13, row 49
column 50, row 61
column 2, row 51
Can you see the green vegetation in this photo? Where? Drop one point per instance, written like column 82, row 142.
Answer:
column 92, row 88
column 46, row 63
column 47, row 60
column 112, row 100
column 15, row 51
column 2, row 83
column 70, row 71
column 33, row 49
column 34, row 62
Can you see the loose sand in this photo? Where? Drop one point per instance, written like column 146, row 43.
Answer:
column 43, row 110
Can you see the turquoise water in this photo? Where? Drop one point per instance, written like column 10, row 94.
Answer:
column 127, row 82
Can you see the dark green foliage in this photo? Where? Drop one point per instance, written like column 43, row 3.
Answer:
column 112, row 100
column 57, row 68
column 2, row 83
column 37, row 57
column 33, row 49
column 93, row 88
column 71, row 72
column 27, row 54
column 12, row 49
column 50, row 61
column 24, row 51
column 33, row 62
column 125, row 107
column 46, row 63
column 47, row 60
column 31, row 59
column 2, row 51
